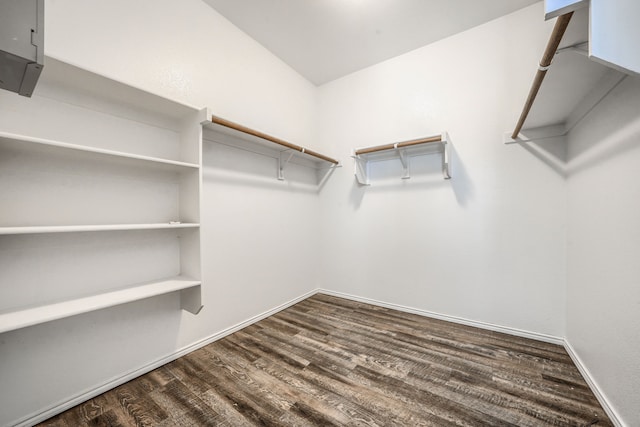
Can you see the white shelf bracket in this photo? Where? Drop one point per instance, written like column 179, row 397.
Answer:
column 282, row 162
column 191, row 299
column 361, row 170
column 404, row 159
column 446, row 156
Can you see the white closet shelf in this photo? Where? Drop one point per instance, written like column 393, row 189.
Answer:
column 22, row 318
column 41, row 145
column 45, row 229
column 403, row 151
column 286, row 150
column 573, row 83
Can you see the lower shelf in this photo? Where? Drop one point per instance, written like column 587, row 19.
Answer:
column 189, row 290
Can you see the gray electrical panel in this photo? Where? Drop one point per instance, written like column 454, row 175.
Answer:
column 21, row 44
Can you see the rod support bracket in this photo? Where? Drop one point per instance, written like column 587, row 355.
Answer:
column 404, row 159
column 361, row 169
column 283, row 159
column 191, row 299
column 446, row 156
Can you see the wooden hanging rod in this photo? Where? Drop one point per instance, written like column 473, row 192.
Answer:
column 552, row 46
column 404, row 144
column 235, row 126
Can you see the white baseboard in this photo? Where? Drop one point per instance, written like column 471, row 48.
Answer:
column 56, row 409
column 593, row 385
column 482, row 325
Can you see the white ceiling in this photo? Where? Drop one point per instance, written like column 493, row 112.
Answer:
column 327, row 39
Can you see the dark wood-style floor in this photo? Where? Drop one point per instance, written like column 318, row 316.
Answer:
column 331, row 361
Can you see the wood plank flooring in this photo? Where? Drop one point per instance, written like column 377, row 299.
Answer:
column 331, row 361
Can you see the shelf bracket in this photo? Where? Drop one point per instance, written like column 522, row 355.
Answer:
column 404, row 159
column 361, row 170
column 191, row 299
column 282, row 162
column 446, row 172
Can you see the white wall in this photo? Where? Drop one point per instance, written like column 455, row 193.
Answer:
column 259, row 234
column 603, row 310
column 258, row 248
column 187, row 51
column 488, row 245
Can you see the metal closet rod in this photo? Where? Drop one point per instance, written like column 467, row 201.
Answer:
column 235, row 126
column 437, row 138
column 552, row 46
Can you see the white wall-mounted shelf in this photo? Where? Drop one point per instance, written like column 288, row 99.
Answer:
column 24, row 317
column 219, row 129
column 403, row 151
column 613, row 33
column 92, row 228
column 44, row 146
column 89, row 154
column 573, row 83
column 554, row 8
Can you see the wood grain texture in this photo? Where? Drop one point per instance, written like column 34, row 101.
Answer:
column 331, row 361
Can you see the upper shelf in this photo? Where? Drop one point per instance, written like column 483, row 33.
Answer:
column 403, row 151
column 554, row 8
column 41, row 145
column 286, row 149
column 68, row 80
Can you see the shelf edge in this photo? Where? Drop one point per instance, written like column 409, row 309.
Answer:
column 89, row 228
column 95, row 150
column 26, row 317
